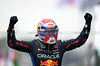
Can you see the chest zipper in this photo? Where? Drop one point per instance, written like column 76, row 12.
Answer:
column 48, row 52
column 48, row 47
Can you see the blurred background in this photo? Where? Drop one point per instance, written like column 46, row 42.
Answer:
column 69, row 16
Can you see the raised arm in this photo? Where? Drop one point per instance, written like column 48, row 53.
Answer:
column 81, row 39
column 11, row 39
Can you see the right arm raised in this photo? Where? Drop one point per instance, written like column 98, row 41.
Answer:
column 12, row 41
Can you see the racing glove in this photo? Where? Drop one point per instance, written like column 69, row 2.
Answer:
column 13, row 21
column 88, row 17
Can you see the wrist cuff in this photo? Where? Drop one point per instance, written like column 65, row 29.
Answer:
column 10, row 27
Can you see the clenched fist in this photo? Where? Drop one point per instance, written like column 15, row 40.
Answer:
column 88, row 17
column 13, row 20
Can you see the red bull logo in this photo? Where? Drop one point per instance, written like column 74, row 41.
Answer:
column 50, row 25
column 49, row 63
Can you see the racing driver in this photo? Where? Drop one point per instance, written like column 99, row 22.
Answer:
column 47, row 50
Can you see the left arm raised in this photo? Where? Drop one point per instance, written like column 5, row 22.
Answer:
column 81, row 39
